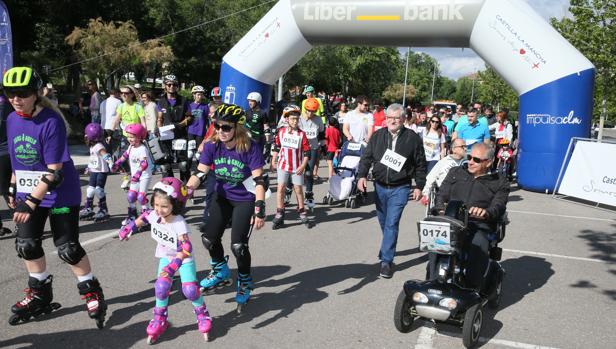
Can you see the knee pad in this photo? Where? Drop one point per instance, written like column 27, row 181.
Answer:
column 239, row 250
column 207, row 243
column 162, row 287
column 183, row 166
column 191, row 290
column 142, row 198
column 90, row 192
column 131, row 196
column 28, row 248
column 71, row 252
column 100, row 192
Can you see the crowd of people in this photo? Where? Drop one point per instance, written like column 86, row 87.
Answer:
column 223, row 149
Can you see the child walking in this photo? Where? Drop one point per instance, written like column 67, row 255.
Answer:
column 98, row 167
column 174, row 249
column 141, row 166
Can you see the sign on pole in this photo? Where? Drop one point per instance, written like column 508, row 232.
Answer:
column 6, row 39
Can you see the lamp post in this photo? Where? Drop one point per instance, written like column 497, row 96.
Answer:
column 406, row 73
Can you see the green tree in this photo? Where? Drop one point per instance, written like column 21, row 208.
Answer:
column 493, row 90
column 592, row 30
column 395, row 92
column 464, row 89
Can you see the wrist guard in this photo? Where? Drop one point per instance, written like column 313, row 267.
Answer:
column 22, row 207
column 33, row 200
column 260, row 209
column 13, row 190
column 202, row 176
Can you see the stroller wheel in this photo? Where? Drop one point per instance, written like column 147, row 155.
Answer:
column 347, row 204
column 325, row 200
column 330, row 200
column 354, row 203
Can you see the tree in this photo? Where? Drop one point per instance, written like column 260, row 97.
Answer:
column 394, row 92
column 97, row 46
column 493, row 90
column 464, row 90
column 592, row 30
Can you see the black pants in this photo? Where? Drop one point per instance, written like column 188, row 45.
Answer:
column 64, row 225
column 179, row 156
column 240, row 214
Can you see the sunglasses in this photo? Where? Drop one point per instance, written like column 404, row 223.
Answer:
column 127, row 93
column 366, row 105
column 475, row 159
column 20, row 94
column 172, row 85
column 435, row 121
column 224, row 128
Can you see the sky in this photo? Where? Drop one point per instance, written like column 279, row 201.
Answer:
column 455, row 62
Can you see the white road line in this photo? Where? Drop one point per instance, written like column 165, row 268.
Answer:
column 425, row 338
column 96, row 239
column 563, row 216
column 555, row 256
column 510, row 344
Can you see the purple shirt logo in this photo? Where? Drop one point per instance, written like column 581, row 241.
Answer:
column 26, row 151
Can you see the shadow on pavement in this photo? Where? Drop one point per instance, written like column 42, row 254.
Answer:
column 603, row 247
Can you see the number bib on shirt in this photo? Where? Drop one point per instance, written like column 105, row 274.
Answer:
column 28, row 180
column 192, row 145
column 354, row 146
column 164, row 236
column 500, row 134
column 311, row 134
column 179, row 144
column 470, row 142
column 393, row 160
column 290, row 141
column 93, row 164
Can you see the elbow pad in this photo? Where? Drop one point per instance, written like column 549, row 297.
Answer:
column 57, row 176
column 144, row 165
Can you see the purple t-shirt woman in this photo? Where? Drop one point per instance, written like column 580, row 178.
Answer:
column 200, row 113
column 34, row 143
column 232, row 168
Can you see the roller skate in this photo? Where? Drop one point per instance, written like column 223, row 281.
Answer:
column 87, row 212
column 101, row 216
column 278, row 220
column 287, row 195
column 244, row 288
column 132, row 215
column 309, row 200
column 304, row 218
column 4, row 230
column 91, row 291
column 218, row 277
column 158, row 325
column 125, row 183
column 37, row 301
column 204, row 321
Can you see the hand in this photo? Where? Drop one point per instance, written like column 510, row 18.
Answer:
column 190, row 192
column 350, row 138
column 478, row 212
column 258, row 222
column 300, row 170
column 135, row 178
column 362, row 184
column 23, row 217
column 416, row 194
column 424, row 200
column 115, row 167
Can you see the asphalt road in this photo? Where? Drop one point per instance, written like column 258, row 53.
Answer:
column 319, row 288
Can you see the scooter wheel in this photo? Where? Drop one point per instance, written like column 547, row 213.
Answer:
column 473, row 321
column 403, row 319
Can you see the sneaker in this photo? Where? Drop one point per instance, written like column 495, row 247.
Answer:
column 387, row 270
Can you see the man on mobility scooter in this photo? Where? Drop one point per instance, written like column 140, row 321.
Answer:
column 461, row 232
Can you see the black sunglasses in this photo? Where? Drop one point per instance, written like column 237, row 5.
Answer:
column 435, row 121
column 20, row 94
column 224, row 128
column 171, row 85
column 476, row 159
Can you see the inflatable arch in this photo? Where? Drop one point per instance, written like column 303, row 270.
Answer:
column 554, row 80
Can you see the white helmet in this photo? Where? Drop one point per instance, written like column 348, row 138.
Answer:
column 197, row 88
column 170, row 78
column 255, row 96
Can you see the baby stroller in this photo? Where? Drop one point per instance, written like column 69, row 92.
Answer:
column 343, row 184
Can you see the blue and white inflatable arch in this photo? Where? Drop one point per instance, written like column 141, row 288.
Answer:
column 554, row 80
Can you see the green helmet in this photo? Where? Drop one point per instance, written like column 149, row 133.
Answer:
column 21, row 78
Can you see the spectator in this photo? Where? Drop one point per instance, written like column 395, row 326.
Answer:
column 473, row 131
column 95, row 102
column 378, row 116
column 108, row 111
column 358, row 123
column 149, row 109
column 440, row 171
column 398, row 157
column 434, row 142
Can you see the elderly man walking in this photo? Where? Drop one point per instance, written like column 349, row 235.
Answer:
column 397, row 155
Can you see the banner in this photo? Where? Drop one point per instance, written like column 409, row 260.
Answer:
column 591, row 173
column 6, row 39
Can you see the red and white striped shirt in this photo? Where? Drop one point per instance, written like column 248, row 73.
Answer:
column 292, row 145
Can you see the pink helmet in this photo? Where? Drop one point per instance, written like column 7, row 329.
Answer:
column 137, row 129
column 175, row 190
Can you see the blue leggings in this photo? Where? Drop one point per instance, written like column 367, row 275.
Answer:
column 188, row 273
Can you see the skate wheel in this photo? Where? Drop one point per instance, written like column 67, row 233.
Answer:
column 240, row 308
column 206, row 337
column 151, row 340
column 14, row 319
column 100, row 323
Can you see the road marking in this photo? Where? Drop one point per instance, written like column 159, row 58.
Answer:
column 564, row 216
column 510, row 344
column 556, row 256
column 91, row 241
column 425, row 338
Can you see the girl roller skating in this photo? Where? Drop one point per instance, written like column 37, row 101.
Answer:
column 45, row 184
column 141, row 166
column 174, row 249
column 98, row 167
column 292, row 156
column 238, row 198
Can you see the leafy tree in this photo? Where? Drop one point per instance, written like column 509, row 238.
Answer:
column 445, row 88
column 464, row 90
column 592, row 30
column 395, row 92
column 493, row 90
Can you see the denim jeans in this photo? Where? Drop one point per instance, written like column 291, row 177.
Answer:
column 390, row 203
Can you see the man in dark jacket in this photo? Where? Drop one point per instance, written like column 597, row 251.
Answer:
column 486, row 195
column 397, row 154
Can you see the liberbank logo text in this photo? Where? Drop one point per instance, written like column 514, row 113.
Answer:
column 409, row 11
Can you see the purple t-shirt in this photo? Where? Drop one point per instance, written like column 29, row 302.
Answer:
column 34, row 143
column 232, row 168
column 171, row 103
column 200, row 113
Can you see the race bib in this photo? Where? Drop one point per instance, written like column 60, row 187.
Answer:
column 192, row 145
column 470, row 141
column 93, row 164
column 311, row 134
column 354, row 146
column 28, row 180
column 166, row 132
column 290, row 141
column 251, row 186
column 500, row 134
column 164, row 236
column 393, row 160
column 434, row 237
column 178, row 144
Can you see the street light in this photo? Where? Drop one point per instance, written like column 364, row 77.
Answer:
column 406, row 73
column 433, row 80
